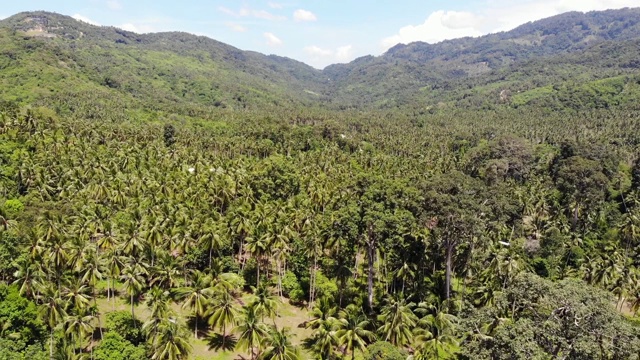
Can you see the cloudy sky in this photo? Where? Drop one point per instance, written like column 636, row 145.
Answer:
column 318, row 32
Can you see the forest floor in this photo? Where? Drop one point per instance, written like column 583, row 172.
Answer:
column 289, row 316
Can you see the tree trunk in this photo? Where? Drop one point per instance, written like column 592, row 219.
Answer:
column 312, row 281
column 258, row 271
column 224, row 335
column 279, row 278
column 371, row 250
column 448, row 271
column 95, row 304
column 240, row 254
column 132, row 314
column 51, row 345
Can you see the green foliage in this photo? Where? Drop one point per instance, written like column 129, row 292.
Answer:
column 12, row 349
column 19, row 318
column 123, row 324
column 113, row 346
column 382, row 350
column 13, row 207
column 291, row 287
column 539, row 319
column 325, row 286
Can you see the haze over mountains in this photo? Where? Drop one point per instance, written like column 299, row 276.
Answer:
column 46, row 54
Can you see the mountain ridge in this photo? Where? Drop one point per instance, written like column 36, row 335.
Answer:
column 202, row 72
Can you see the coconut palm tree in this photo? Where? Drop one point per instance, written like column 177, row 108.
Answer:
column 52, row 311
column 320, row 313
column 251, row 331
column 265, row 302
column 278, row 346
column 134, row 282
column 223, row 312
column 78, row 327
column 196, row 295
column 435, row 333
column 157, row 300
column 173, row 342
column 77, row 295
column 398, row 320
column 353, row 330
column 324, row 342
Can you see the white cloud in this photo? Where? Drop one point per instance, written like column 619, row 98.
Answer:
column 494, row 16
column 246, row 11
column 114, row 5
column 344, row 53
column 275, row 5
column 130, row 27
column 440, row 25
column 321, row 57
column 304, row 15
column 84, row 19
column 236, row 27
column 149, row 25
column 141, row 28
column 272, row 40
column 317, row 51
column 3, row 17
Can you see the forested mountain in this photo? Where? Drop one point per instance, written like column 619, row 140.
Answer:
column 472, row 71
column 46, row 54
column 170, row 197
column 573, row 55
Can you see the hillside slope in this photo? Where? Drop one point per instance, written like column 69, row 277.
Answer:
column 438, row 72
column 574, row 60
column 174, row 69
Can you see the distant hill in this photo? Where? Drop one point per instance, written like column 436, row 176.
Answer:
column 573, row 60
column 166, row 70
column 435, row 72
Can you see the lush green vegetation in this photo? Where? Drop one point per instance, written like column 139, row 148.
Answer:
column 493, row 225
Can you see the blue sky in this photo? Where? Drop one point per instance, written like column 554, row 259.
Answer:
column 318, row 32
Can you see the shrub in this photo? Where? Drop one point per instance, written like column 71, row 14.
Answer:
column 122, row 323
column 382, row 350
column 115, row 347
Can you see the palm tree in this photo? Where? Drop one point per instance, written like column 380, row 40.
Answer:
column 435, row 333
column 196, row 296
column 52, row 311
column 324, row 341
column 114, row 265
column 165, row 273
column 78, row 327
column 251, row 331
column 320, row 313
column 158, row 304
column 223, row 312
column 29, row 278
column 265, row 302
column 278, row 346
column 209, row 238
column 133, row 283
column 77, row 295
column 352, row 330
column 398, row 320
column 172, row 342
column 405, row 272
